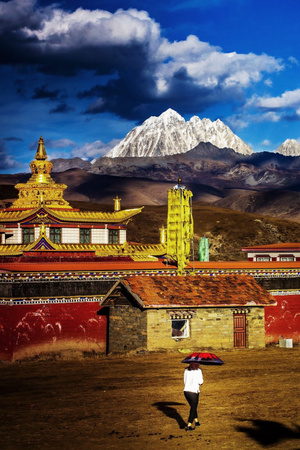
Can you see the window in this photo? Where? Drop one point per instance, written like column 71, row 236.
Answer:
column 55, row 235
column 180, row 328
column 113, row 236
column 263, row 258
column 85, row 235
column 286, row 258
column 28, row 235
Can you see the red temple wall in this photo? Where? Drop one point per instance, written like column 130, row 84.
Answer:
column 283, row 320
column 29, row 330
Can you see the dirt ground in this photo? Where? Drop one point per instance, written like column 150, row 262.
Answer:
column 137, row 402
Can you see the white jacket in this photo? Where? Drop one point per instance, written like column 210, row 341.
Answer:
column 192, row 379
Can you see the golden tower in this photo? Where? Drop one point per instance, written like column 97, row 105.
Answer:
column 180, row 228
column 41, row 189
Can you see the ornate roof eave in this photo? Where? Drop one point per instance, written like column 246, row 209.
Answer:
column 17, row 215
column 71, row 215
column 43, row 243
column 95, row 216
column 11, row 250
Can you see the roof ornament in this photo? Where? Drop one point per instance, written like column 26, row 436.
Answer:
column 41, row 151
column 179, row 185
column 117, row 204
column 41, row 189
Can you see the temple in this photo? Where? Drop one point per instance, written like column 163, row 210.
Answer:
column 58, row 264
column 41, row 223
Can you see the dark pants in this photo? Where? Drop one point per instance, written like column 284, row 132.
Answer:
column 193, row 400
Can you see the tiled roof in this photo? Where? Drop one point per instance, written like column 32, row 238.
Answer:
column 97, row 216
column 135, row 266
column 72, row 215
column 138, row 252
column 191, row 291
column 293, row 246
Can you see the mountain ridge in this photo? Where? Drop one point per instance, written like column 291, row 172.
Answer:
column 170, row 134
column 290, row 147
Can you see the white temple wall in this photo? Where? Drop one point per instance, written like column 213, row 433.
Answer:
column 122, row 236
column 16, row 238
column 70, row 236
column 99, row 236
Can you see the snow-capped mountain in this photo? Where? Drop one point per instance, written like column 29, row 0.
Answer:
column 170, row 134
column 290, row 147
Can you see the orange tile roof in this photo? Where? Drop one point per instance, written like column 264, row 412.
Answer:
column 294, row 246
column 190, row 291
column 132, row 266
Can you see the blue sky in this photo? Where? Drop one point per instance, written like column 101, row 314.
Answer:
column 83, row 73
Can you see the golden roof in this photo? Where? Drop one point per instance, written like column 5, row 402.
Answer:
column 97, row 216
column 74, row 215
column 137, row 252
column 12, row 249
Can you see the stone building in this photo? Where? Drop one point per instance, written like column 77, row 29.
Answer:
column 164, row 312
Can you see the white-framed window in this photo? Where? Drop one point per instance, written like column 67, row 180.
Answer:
column 287, row 258
column 263, row 258
column 180, row 328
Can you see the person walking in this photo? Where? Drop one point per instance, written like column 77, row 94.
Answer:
column 192, row 378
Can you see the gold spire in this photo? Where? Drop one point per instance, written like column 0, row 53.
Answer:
column 41, row 189
column 41, row 152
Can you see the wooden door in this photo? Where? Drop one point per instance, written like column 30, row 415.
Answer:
column 239, row 330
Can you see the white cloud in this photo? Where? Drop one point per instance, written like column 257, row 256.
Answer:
column 97, row 27
column 57, row 154
column 268, row 82
column 293, row 60
column 142, row 68
column 289, row 99
column 269, row 116
column 266, row 143
column 238, row 121
column 94, row 149
column 60, row 143
column 244, row 119
column 209, row 66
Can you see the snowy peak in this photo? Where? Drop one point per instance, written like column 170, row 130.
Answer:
column 170, row 116
column 170, row 134
column 290, row 147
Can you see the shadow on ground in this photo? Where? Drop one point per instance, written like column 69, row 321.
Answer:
column 168, row 409
column 268, row 433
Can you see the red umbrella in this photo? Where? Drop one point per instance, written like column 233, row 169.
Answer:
column 203, row 358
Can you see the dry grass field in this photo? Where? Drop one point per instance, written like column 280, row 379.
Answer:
column 137, row 402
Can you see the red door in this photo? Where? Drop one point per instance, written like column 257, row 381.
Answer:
column 239, row 330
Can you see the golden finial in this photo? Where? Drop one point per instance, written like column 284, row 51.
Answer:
column 41, row 152
column 42, row 229
column 117, row 204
